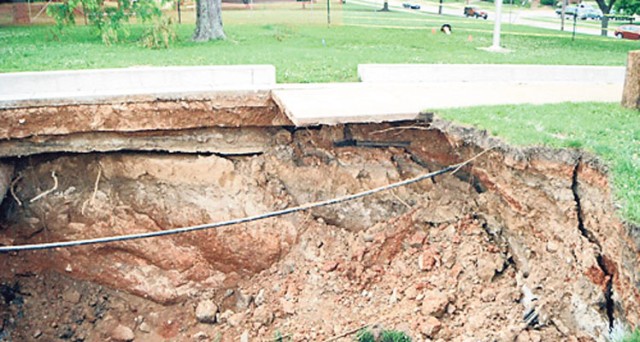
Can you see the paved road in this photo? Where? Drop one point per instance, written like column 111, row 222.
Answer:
column 544, row 18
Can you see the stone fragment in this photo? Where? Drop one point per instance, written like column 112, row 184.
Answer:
column 260, row 299
column 122, row 333
column 430, row 327
column 245, row 336
column 72, row 296
column 552, row 246
column 417, row 239
column 206, row 311
column 243, row 301
column 236, row 319
column 287, row 307
column 144, row 327
column 200, row 336
column 262, row 316
column 330, row 266
column 434, row 303
column 427, row 260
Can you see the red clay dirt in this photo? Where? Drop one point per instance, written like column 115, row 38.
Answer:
column 521, row 245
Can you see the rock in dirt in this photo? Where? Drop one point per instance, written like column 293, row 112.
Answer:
column 262, row 317
column 122, row 333
column 144, row 327
column 200, row 336
column 236, row 319
column 427, row 260
column 417, row 239
column 259, row 300
column 245, row 336
column 434, row 303
column 430, row 327
column 72, row 296
column 243, row 301
column 206, row 312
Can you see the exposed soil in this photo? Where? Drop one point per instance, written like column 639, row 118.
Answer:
column 523, row 244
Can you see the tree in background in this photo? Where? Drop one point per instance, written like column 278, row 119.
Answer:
column 109, row 19
column 605, row 6
column 208, row 21
column 628, row 7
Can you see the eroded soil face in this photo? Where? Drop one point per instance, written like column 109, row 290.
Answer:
column 519, row 245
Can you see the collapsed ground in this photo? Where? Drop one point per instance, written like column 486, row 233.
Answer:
column 521, row 244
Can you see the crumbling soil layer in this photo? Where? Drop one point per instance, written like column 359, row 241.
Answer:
column 521, row 244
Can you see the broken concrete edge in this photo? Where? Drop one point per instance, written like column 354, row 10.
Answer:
column 512, row 73
column 258, row 91
column 339, row 119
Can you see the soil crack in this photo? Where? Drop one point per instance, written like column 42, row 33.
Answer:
column 608, row 288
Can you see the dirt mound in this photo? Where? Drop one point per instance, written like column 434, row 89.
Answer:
column 521, row 245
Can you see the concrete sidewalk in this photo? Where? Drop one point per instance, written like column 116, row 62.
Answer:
column 387, row 93
column 308, row 105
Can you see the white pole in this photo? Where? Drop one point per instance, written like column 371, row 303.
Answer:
column 496, row 26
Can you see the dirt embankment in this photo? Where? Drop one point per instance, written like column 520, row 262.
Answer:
column 520, row 245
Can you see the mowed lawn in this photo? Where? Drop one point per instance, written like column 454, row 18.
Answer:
column 305, row 49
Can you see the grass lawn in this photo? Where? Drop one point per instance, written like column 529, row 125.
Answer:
column 605, row 129
column 303, row 48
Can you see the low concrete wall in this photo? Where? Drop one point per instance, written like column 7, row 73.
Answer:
column 132, row 81
column 439, row 73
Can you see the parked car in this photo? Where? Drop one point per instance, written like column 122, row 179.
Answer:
column 628, row 32
column 581, row 11
column 472, row 11
column 589, row 13
column 412, row 6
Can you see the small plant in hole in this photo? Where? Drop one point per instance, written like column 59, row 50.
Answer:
column 365, row 335
column 278, row 337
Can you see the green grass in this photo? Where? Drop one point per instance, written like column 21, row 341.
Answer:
column 304, row 49
column 607, row 130
column 633, row 337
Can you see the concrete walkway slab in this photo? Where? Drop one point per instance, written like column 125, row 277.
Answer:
column 512, row 73
column 132, row 81
column 359, row 102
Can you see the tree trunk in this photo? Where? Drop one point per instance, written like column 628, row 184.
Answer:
column 208, row 21
column 605, row 25
column 631, row 91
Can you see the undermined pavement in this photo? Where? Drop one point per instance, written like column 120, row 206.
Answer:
column 522, row 244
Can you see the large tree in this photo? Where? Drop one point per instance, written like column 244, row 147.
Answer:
column 208, row 20
column 605, row 7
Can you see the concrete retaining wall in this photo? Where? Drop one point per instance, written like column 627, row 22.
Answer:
column 131, row 81
column 438, row 73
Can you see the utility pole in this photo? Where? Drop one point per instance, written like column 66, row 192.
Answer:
column 496, row 26
column 440, row 8
column 329, row 12
column 562, row 14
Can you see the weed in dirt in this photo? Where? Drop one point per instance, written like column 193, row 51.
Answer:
column 365, row 335
column 279, row 337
